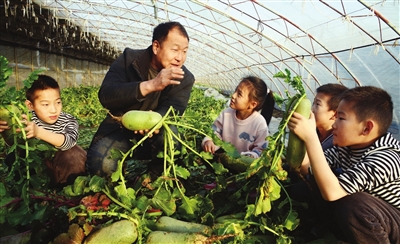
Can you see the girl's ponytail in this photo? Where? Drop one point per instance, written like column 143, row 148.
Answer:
column 268, row 106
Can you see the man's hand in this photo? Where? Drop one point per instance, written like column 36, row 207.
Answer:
column 166, row 77
column 143, row 132
column 302, row 126
column 3, row 126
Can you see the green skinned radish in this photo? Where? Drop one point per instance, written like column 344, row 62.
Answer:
column 140, row 120
column 9, row 113
column 165, row 223
column 239, row 164
column 120, row 232
column 157, row 237
column 230, row 217
column 296, row 149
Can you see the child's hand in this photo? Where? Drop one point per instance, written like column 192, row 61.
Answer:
column 209, row 146
column 31, row 129
column 3, row 126
column 302, row 126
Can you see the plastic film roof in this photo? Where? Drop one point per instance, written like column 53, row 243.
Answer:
column 349, row 42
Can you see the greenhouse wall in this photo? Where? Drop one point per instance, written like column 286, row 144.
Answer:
column 69, row 72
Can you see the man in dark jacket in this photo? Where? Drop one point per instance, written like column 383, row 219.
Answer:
column 150, row 79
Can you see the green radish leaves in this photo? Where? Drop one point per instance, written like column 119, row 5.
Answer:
column 181, row 190
column 296, row 82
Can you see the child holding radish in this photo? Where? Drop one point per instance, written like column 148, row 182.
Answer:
column 60, row 129
column 358, row 179
column 242, row 124
column 324, row 107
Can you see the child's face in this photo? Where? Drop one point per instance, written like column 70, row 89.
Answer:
column 47, row 105
column 324, row 117
column 240, row 99
column 347, row 131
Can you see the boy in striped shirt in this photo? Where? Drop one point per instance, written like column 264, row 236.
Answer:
column 358, row 179
column 60, row 129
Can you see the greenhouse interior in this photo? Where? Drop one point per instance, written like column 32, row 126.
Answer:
column 352, row 43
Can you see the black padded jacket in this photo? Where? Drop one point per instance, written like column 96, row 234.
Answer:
column 120, row 93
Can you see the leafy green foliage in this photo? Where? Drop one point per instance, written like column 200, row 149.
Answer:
column 258, row 194
column 83, row 103
column 5, row 73
column 22, row 171
column 200, row 114
column 295, row 82
column 10, row 95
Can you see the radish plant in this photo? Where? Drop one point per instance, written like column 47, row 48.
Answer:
column 23, row 177
column 251, row 205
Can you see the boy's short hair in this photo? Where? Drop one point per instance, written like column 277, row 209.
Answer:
column 43, row 82
column 334, row 91
column 369, row 102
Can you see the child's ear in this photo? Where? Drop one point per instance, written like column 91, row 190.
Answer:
column 29, row 105
column 369, row 125
column 253, row 104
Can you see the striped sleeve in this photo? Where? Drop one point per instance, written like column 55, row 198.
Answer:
column 374, row 169
column 66, row 124
column 378, row 174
